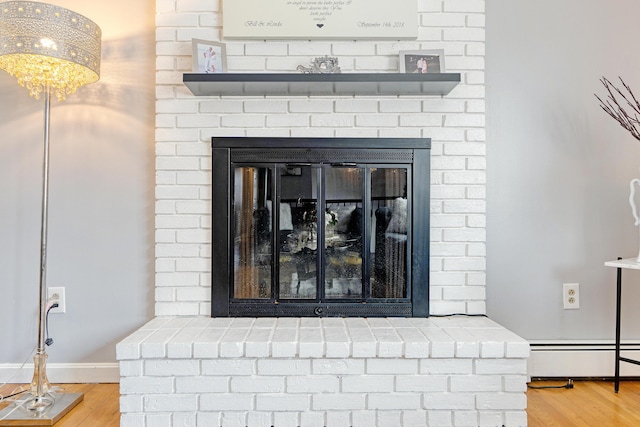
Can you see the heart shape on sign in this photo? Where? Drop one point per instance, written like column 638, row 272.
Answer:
column 319, row 25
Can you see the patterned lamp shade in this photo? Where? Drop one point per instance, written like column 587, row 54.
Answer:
column 47, row 46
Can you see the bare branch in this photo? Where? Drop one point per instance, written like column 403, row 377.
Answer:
column 611, row 106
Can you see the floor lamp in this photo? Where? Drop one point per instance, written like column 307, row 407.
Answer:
column 50, row 50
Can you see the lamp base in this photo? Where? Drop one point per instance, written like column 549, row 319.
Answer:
column 17, row 414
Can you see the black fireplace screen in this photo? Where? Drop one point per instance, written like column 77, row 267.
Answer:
column 320, row 227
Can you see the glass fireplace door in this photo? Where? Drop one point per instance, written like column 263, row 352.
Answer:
column 320, row 227
column 300, row 233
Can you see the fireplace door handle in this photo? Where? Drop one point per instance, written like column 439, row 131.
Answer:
column 344, row 164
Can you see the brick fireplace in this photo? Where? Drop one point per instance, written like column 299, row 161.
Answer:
column 185, row 368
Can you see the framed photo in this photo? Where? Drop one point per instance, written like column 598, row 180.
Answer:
column 422, row 61
column 209, row 57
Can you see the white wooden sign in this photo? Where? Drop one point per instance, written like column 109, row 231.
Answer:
column 320, row 19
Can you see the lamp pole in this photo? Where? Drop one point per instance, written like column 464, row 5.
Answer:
column 40, row 384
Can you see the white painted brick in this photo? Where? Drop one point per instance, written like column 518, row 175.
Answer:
column 440, row 418
column 177, row 279
column 158, row 420
column 474, row 293
column 515, row 418
column 226, row 402
column 475, row 383
column 311, row 106
column 448, row 401
column 392, row 366
column 208, row 419
column 284, row 367
column 414, row 418
column 131, row 403
column 313, row 384
column 367, row 383
column 446, row 366
column 286, row 419
column 467, row 6
column 444, row 20
column 389, row 342
column 474, row 63
column 387, row 418
column 257, row 384
column 132, row 420
column 129, row 348
column 464, row 234
column 338, row 418
column 258, row 343
column 476, row 20
column 338, row 366
column 288, row 120
column 283, row 402
column 197, row 265
column 500, row 366
column 232, row 419
column 259, row 419
column 338, row 401
column 337, row 342
column 184, row 419
column 363, row 419
column 284, row 342
column 333, row 120
column 310, row 343
column 448, row 249
column 421, row 383
column 465, row 264
column 356, row 106
column 145, row 385
column 226, row 367
column 266, row 49
column 131, row 368
column 170, row 403
column 232, row 342
column 501, row 401
column 242, row 120
column 421, row 119
column 466, row 418
column 515, row 383
column 393, row 401
column 312, row 419
column 363, row 342
column 202, row 384
column 171, row 368
column 177, row 309
column 400, row 105
column 518, row 348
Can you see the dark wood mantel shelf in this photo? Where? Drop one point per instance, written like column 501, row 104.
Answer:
column 291, row 84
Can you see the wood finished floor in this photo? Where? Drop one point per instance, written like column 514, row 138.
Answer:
column 589, row 403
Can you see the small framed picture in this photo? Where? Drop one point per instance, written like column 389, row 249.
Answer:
column 422, row 61
column 209, row 57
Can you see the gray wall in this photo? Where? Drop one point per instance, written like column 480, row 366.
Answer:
column 558, row 166
column 101, row 199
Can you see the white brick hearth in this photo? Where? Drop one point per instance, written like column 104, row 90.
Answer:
column 333, row 372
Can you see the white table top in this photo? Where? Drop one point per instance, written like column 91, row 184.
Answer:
column 624, row 263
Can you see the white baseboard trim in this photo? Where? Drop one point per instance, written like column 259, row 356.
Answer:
column 581, row 359
column 62, row 373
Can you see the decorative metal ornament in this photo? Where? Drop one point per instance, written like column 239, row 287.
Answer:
column 321, row 65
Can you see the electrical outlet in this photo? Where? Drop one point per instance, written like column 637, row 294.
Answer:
column 59, row 291
column 571, row 296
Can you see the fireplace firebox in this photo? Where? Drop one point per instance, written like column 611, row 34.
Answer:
column 318, row 227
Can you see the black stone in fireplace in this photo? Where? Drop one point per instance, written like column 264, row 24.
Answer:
column 320, row 227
